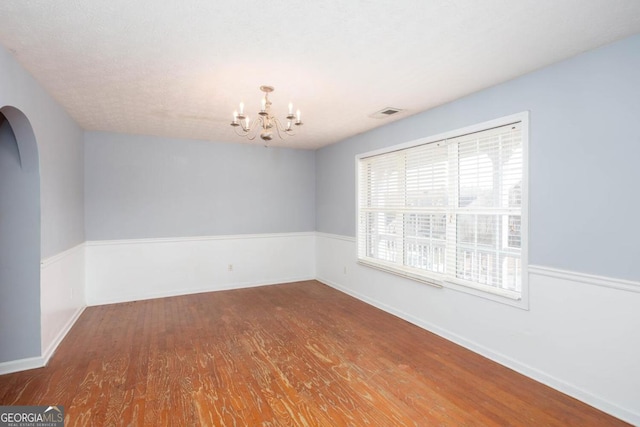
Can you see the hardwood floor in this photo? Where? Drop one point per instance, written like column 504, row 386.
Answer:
column 287, row 355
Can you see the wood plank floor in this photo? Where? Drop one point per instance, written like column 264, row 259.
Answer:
column 287, row 355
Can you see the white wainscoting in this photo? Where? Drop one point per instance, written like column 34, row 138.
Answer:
column 579, row 336
column 62, row 296
column 129, row 270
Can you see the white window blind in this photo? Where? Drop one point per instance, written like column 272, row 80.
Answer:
column 448, row 211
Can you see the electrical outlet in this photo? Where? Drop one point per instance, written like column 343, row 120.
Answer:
column 230, row 268
column 345, row 269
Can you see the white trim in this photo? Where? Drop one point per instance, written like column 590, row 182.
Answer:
column 59, row 256
column 524, row 211
column 494, row 294
column 46, row 355
column 400, row 272
column 226, row 287
column 589, row 279
column 522, row 368
column 197, row 238
column 336, row 236
column 21, row 365
column 501, row 121
column 521, row 300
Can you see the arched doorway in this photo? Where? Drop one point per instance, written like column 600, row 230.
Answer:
column 19, row 238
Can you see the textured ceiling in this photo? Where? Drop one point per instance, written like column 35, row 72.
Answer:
column 179, row 68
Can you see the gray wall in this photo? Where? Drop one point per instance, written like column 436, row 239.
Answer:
column 584, row 151
column 53, row 143
column 19, row 251
column 145, row 187
column 60, row 148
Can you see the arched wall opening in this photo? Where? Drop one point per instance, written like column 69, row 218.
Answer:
column 19, row 238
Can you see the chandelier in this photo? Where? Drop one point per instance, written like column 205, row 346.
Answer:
column 266, row 123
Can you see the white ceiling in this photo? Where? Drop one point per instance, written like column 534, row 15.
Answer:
column 179, row 68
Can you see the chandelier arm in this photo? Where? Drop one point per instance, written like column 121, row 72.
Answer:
column 258, row 124
column 247, row 132
column 280, row 127
column 277, row 126
column 242, row 133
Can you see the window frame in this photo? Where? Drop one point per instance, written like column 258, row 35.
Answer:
column 442, row 281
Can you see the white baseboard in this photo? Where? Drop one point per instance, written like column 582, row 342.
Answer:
column 198, row 290
column 21, row 365
column 39, row 362
column 51, row 349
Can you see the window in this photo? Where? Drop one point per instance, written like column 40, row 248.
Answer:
column 449, row 210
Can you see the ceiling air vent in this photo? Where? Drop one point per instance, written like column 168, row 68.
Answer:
column 385, row 112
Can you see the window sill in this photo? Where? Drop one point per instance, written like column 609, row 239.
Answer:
column 498, row 295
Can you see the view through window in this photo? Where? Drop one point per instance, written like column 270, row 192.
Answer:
column 448, row 211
